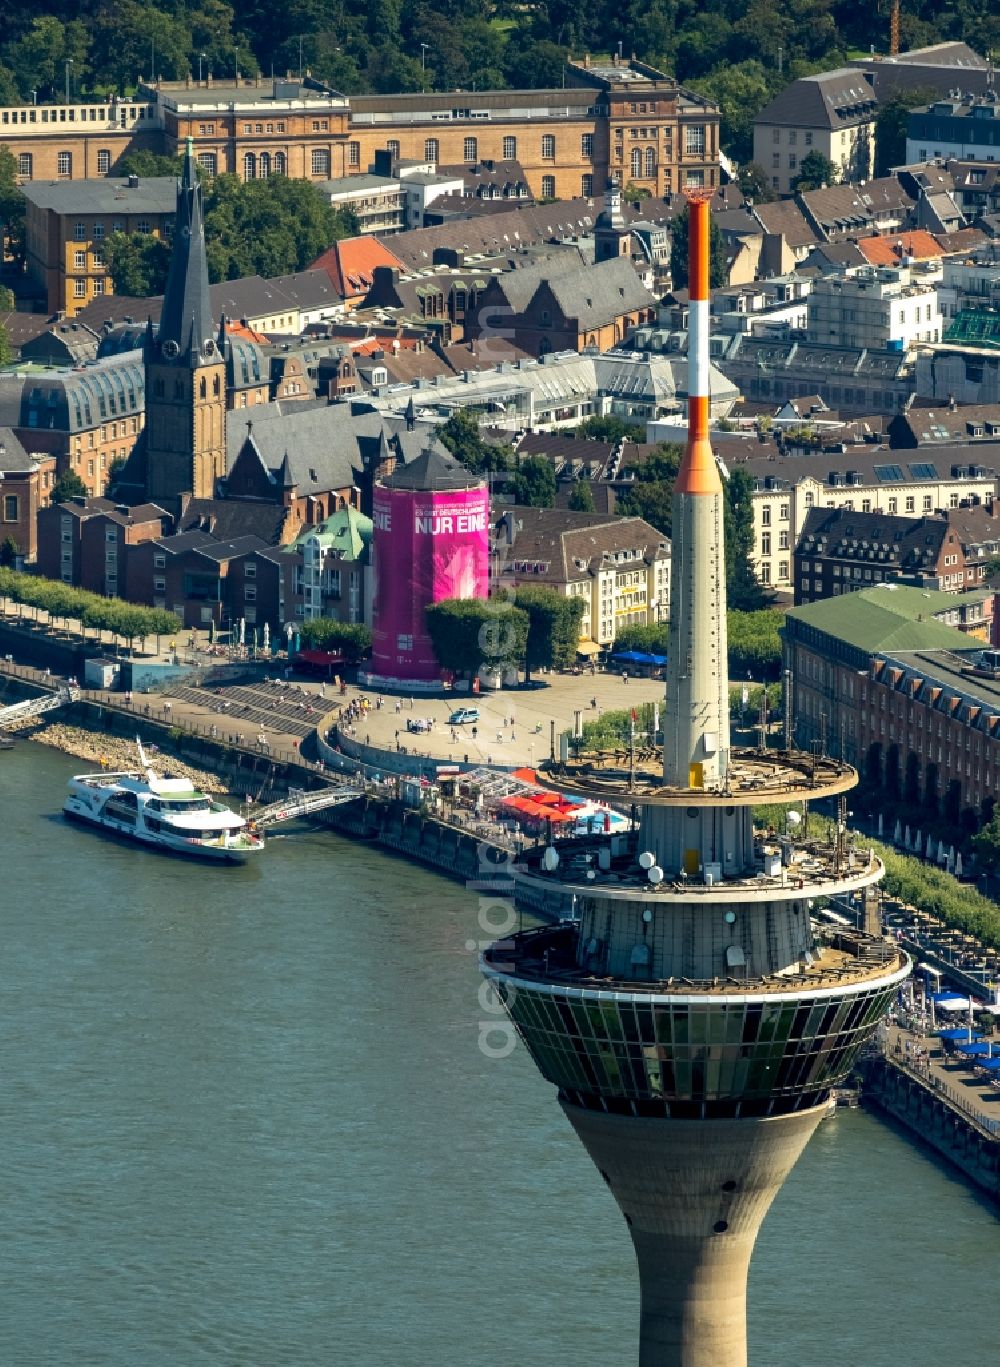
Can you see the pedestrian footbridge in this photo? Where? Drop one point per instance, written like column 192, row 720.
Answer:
column 19, row 712
column 299, row 803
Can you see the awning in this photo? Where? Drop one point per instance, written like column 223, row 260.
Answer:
column 588, row 648
column 962, row 1004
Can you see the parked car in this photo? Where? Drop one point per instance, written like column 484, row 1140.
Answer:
column 463, row 715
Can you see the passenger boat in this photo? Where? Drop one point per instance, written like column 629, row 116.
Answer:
column 166, row 813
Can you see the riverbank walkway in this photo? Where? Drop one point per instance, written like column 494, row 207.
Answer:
column 953, row 1078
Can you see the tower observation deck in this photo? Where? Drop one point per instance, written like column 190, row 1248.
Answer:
column 692, row 1017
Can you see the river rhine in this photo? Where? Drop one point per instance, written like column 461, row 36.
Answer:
column 245, row 1119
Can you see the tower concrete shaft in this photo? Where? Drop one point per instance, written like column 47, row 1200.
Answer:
column 694, row 1194
column 696, row 717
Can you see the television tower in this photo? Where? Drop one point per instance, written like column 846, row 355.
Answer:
column 694, row 1017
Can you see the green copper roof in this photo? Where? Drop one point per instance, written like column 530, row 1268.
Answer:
column 346, row 531
column 890, row 619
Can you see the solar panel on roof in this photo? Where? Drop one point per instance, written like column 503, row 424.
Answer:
column 887, row 473
column 924, row 469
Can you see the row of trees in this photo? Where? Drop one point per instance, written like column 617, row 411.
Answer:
column 129, row 622
column 353, row 640
column 538, row 629
column 738, row 52
column 754, row 643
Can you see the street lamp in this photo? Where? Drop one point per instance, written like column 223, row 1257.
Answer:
column 69, row 63
column 201, row 58
column 423, row 56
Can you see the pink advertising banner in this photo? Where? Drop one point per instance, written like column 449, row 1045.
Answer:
column 427, row 546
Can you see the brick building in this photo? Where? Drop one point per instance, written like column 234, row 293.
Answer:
column 612, row 117
column 828, row 648
column 25, row 482
column 67, row 224
column 840, row 551
column 85, row 542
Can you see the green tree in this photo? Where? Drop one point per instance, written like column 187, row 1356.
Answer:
column 742, row 589
column 553, row 628
column 651, row 497
column 815, row 171
column 11, row 208
column 137, row 263
column 470, row 633
column 9, row 552
column 267, row 227
column 149, row 165
column 68, row 486
column 755, row 184
column 534, row 482
column 463, row 437
column 890, row 125
column 353, row 639
column 610, row 427
column 718, row 271
column 754, row 643
column 581, row 500
column 535, row 65
column 741, row 92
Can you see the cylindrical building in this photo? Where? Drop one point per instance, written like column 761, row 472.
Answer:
column 431, row 541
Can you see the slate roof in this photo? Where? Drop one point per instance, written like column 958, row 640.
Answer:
column 487, row 235
column 573, row 545
column 906, row 544
column 831, row 99
column 850, row 208
column 229, row 550
column 13, row 456
column 433, row 471
column 600, row 293
column 913, row 466
column 230, row 518
column 186, row 316
column 104, row 195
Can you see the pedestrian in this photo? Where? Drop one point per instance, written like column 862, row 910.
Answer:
column 399, row 707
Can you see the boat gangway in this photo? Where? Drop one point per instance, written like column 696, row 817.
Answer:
column 19, row 712
column 300, row 803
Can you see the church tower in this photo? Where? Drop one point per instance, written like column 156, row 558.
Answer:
column 185, row 430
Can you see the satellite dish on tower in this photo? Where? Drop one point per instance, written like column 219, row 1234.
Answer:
column 655, row 875
column 646, row 860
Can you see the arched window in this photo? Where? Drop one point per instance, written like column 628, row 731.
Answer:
column 215, row 387
column 250, row 166
column 636, row 162
column 650, row 162
column 279, row 164
column 432, row 150
column 203, row 388
column 264, row 166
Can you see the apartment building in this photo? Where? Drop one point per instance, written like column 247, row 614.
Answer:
column 863, row 480
column 963, row 128
column 85, row 541
column 880, row 308
column 78, row 141
column 26, row 480
column 67, row 224
column 618, row 567
column 832, row 113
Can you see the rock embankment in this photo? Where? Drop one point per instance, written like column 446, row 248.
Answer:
column 115, row 752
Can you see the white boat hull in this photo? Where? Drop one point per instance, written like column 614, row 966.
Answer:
column 76, row 810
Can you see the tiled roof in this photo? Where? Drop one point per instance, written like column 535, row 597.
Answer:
column 570, row 544
column 351, row 262
column 785, row 217
column 889, row 251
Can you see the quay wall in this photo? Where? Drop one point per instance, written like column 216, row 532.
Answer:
column 934, row 1119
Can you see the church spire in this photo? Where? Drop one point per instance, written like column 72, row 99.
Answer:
column 186, row 322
